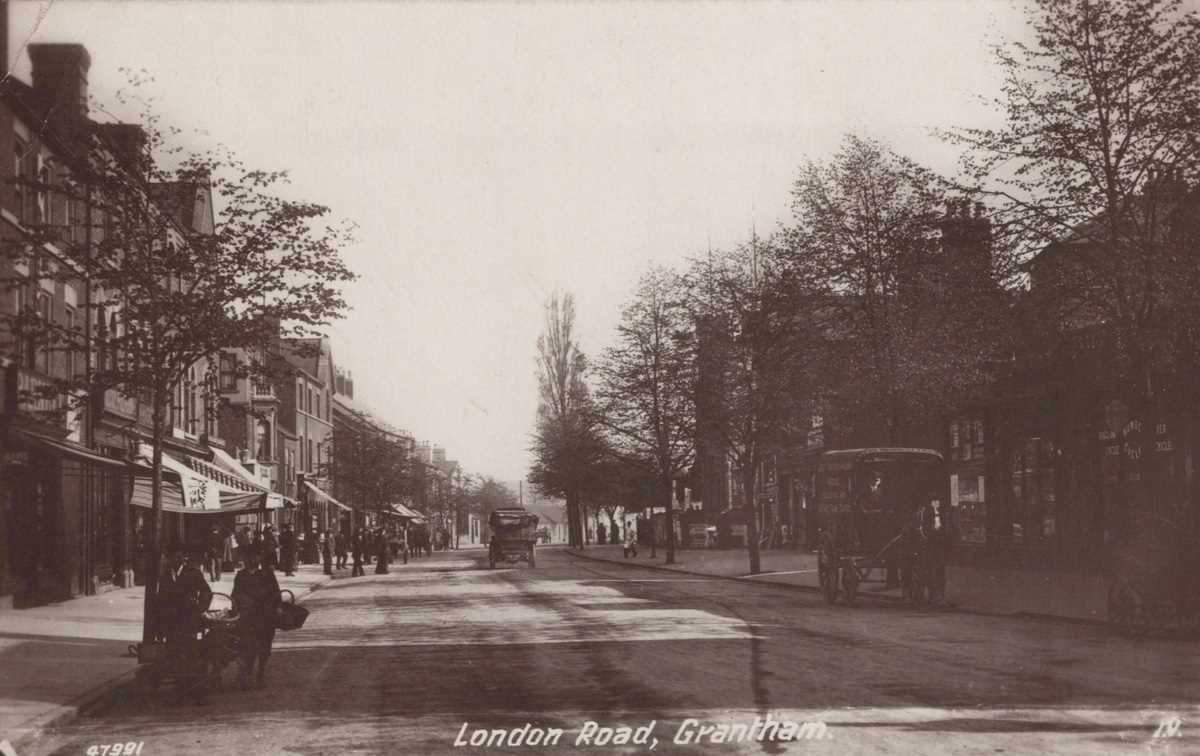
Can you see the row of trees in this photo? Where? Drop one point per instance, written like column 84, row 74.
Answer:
column 892, row 294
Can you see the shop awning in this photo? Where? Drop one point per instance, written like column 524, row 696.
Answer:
column 77, row 452
column 399, row 510
column 320, row 496
column 224, row 462
column 198, row 493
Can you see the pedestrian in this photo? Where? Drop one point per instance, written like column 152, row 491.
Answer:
column 630, row 543
column 327, row 551
column 214, row 552
column 340, row 550
column 381, row 553
column 230, row 553
column 287, row 549
column 356, row 548
column 270, row 548
column 183, row 597
column 256, row 598
column 939, row 527
column 243, row 543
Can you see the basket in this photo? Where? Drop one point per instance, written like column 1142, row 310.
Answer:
column 291, row 616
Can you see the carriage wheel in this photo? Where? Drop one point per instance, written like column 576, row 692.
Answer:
column 850, row 583
column 827, row 572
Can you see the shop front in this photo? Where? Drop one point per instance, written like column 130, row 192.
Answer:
column 62, row 510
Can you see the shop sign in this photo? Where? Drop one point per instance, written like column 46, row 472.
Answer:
column 15, row 458
column 200, row 493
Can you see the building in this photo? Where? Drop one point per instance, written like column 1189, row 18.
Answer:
column 75, row 486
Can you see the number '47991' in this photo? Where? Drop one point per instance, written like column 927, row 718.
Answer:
column 132, row 748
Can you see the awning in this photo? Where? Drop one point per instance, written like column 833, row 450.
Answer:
column 232, row 466
column 399, row 510
column 77, row 452
column 199, row 493
column 319, row 495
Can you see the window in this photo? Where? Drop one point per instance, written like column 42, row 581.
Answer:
column 45, row 312
column 69, row 322
column 228, row 371
column 19, row 188
column 299, row 394
column 191, row 400
column 42, row 208
column 318, row 412
column 262, row 441
column 311, row 468
column 308, row 401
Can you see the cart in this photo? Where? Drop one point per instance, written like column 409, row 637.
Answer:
column 868, row 504
column 1152, row 582
column 514, row 533
column 197, row 669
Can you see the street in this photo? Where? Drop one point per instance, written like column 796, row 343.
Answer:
column 443, row 649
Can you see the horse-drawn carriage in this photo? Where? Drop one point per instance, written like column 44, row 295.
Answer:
column 514, row 533
column 869, row 508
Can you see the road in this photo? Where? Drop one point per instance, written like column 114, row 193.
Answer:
column 444, row 650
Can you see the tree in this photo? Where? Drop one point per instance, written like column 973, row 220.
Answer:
column 754, row 318
column 912, row 315
column 372, row 465
column 646, row 394
column 1099, row 144
column 168, row 293
column 566, row 441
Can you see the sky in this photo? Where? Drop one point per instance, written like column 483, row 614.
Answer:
column 492, row 154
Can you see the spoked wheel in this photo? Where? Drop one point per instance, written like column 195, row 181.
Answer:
column 827, row 571
column 850, row 583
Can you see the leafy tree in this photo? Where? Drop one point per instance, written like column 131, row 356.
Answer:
column 1099, row 144
column 180, row 292
column 566, row 442
column 372, row 465
column 912, row 318
column 646, row 394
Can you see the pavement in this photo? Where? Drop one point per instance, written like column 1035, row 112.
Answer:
column 1063, row 595
column 65, row 658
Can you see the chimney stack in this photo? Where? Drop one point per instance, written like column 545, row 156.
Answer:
column 60, row 74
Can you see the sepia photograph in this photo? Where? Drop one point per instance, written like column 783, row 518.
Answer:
column 599, row 377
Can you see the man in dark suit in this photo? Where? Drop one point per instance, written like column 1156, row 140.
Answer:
column 183, row 597
column 939, row 525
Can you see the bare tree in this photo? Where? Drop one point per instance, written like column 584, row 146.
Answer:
column 646, row 393
column 754, row 317
column 566, row 442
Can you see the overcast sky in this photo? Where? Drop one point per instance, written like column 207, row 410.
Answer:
column 493, row 153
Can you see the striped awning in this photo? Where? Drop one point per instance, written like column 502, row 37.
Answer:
column 317, row 495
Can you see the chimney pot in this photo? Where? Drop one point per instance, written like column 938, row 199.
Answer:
column 60, row 74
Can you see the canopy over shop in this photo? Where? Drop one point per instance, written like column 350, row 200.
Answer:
column 206, row 494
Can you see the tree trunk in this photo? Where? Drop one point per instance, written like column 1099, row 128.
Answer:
column 154, row 549
column 749, row 476
column 668, row 485
column 574, row 536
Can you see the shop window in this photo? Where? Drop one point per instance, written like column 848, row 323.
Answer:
column 1033, row 511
